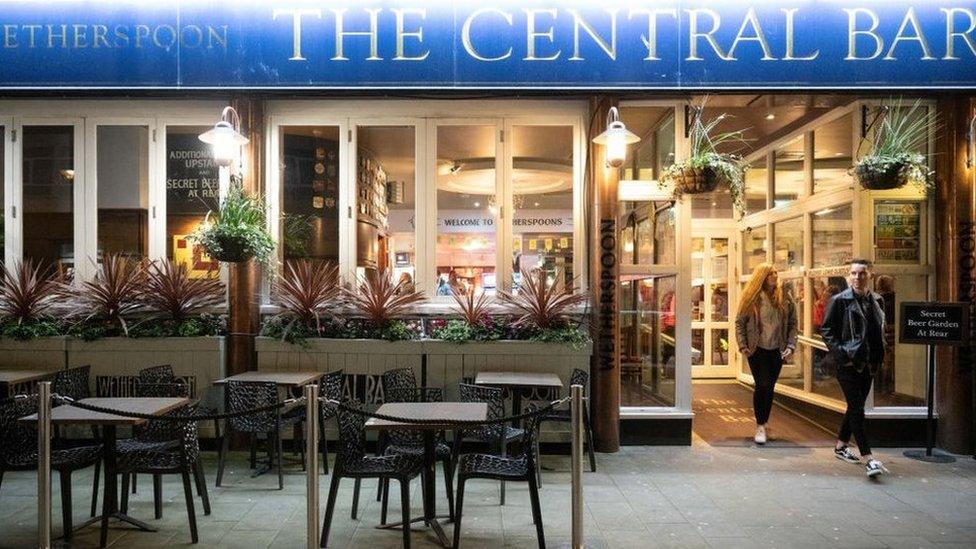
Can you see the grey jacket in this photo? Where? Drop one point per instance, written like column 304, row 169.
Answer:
column 845, row 328
column 748, row 328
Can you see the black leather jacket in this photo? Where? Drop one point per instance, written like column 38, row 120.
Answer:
column 845, row 328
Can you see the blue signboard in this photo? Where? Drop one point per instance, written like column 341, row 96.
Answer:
column 610, row 44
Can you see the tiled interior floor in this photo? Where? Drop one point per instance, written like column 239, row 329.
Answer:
column 698, row 496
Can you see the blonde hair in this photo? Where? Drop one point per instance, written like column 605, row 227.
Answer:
column 755, row 285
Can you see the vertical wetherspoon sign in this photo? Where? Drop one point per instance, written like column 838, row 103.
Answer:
column 681, row 44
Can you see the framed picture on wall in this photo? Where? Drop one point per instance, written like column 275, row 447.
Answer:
column 897, row 232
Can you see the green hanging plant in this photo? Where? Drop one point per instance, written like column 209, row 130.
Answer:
column 894, row 160
column 238, row 230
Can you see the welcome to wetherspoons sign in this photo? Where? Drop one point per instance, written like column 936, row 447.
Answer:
column 682, row 44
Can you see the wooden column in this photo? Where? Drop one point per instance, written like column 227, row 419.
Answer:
column 244, row 316
column 603, row 276
column 955, row 228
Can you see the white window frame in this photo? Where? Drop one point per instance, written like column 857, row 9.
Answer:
column 10, row 211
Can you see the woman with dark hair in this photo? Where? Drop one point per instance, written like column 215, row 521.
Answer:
column 765, row 328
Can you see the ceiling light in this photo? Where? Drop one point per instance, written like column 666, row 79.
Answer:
column 770, row 116
column 535, row 204
column 477, row 204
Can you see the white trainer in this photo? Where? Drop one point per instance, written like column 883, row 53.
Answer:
column 760, row 437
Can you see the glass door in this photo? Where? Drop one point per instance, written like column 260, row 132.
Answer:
column 710, row 327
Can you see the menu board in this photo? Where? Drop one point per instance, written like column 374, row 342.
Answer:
column 897, row 230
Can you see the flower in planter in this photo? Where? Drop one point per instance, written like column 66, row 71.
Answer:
column 383, row 303
column 28, row 299
column 894, row 161
column 706, row 167
column 238, row 230
column 308, row 292
column 475, row 324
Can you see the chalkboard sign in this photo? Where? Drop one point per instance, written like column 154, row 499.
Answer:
column 192, row 180
column 935, row 323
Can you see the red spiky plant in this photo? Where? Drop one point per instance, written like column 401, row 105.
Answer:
column 307, row 292
column 28, row 292
column 540, row 304
column 113, row 295
column 381, row 300
column 473, row 309
column 172, row 294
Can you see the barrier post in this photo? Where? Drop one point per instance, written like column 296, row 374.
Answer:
column 312, row 465
column 44, row 465
column 576, row 410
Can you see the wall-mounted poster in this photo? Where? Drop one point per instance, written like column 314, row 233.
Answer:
column 200, row 264
column 897, row 231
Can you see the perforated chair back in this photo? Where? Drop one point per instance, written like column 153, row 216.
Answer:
column 494, row 397
column 73, row 382
column 242, row 395
column 397, row 382
column 18, row 439
column 157, row 374
column 580, row 377
column 331, row 388
column 352, row 440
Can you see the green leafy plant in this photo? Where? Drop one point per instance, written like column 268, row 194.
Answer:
column 539, row 303
column 894, row 159
column 28, row 297
column 379, row 300
column 573, row 335
column 706, row 167
column 171, row 294
column 308, row 292
column 238, row 231
column 108, row 302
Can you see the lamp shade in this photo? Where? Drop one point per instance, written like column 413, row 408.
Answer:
column 226, row 142
column 616, row 138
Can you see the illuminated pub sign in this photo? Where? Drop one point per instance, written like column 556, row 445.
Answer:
column 679, row 44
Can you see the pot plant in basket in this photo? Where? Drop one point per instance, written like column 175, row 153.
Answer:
column 238, row 230
column 894, row 161
column 706, row 168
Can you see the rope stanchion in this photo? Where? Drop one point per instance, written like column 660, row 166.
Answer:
column 44, row 465
column 312, row 466
column 576, row 414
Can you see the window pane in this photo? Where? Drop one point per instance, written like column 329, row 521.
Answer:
column 309, row 163
column 902, row 379
column 788, row 181
column 647, row 340
column 697, row 347
column 3, row 202
column 386, row 186
column 833, row 145
column 794, row 288
column 756, row 187
column 833, row 237
column 697, row 279
column 720, row 276
column 48, row 176
column 825, row 287
column 788, row 252
column 123, row 190
column 466, row 209
column 720, row 347
column 192, row 189
column 542, row 187
column 897, row 230
column 753, row 247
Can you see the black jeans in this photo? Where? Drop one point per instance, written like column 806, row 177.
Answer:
column 856, row 386
column 765, row 365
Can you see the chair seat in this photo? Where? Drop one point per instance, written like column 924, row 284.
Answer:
column 150, row 461
column 493, row 467
column 133, row 445
column 62, row 457
column 400, row 465
column 441, row 450
column 510, row 434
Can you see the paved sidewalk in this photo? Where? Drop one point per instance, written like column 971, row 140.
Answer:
column 699, row 496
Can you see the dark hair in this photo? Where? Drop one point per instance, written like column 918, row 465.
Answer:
column 866, row 262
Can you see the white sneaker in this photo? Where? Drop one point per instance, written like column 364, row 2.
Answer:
column 760, row 437
column 874, row 468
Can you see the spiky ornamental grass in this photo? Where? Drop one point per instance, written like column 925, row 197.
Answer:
column 895, row 142
column 171, row 294
column 307, row 292
column 113, row 296
column 28, row 296
column 540, row 304
column 380, row 300
column 472, row 309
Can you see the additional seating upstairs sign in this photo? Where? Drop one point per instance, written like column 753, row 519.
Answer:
column 936, row 323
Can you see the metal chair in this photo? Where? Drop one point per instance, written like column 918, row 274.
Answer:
column 183, row 459
column 159, row 435
column 496, row 435
column 18, row 451
column 75, row 383
column 520, row 468
column 247, row 396
column 162, row 373
column 329, row 388
column 578, row 377
column 352, row 462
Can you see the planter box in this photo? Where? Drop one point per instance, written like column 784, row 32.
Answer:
column 447, row 364
column 45, row 352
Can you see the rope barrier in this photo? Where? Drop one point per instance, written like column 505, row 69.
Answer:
column 177, row 419
column 457, row 422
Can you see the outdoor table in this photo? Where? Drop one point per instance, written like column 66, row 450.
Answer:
column 70, row 415
column 517, row 381
column 442, row 416
column 12, row 378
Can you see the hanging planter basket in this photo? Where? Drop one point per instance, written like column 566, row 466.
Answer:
column 232, row 249
column 691, row 180
column 877, row 180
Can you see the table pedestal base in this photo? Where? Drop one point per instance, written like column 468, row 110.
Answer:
column 433, row 523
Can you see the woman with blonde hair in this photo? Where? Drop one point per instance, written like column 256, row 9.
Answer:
column 765, row 328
